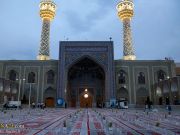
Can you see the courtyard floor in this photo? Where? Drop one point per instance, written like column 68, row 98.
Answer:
column 88, row 122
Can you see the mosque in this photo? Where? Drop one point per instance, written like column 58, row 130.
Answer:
column 86, row 74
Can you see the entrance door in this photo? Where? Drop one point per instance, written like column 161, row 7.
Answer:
column 85, row 101
column 80, row 76
column 49, row 102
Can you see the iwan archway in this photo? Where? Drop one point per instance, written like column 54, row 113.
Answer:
column 85, row 84
column 85, row 65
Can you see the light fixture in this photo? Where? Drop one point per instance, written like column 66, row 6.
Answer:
column 86, row 90
column 86, row 95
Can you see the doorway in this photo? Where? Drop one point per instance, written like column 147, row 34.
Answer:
column 85, row 74
column 49, row 102
column 86, row 100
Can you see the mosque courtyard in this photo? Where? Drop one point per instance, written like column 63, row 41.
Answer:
column 89, row 122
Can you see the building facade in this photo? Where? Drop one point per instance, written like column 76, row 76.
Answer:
column 38, row 75
column 86, row 74
column 8, row 90
column 168, row 91
column 86, row 65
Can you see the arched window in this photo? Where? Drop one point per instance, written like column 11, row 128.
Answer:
column 31, row 77
column 12, row 75
column 122, row 77
column 161, row 75
column 141, row 78
column 50, row 77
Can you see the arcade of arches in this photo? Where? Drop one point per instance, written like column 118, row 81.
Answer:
column 86, row 84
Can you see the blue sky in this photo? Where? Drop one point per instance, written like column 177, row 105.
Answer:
column 155, row 27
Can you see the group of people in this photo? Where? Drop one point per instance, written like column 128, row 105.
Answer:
column 39, row 105
column 149, row 106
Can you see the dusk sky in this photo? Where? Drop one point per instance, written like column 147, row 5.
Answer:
column 155, row 27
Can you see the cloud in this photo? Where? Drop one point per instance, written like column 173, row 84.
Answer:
column 155, row 27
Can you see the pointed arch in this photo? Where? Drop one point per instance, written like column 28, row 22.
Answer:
column 85, row 72
column 141, row 95
column 12, row 75
column 50, row 97
column 50, row 77
column 83, row 61
column 122, row 93
column 88, row 57
column 122, row 77
column 31, row 77
column 161, row 75
column 141, row 78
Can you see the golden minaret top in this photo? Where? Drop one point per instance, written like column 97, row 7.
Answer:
column 47, row 9
column 125, row 9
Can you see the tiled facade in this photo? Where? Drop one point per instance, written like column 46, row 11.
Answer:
column 133, row 80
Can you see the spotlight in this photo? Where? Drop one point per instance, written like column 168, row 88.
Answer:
column 86, row 96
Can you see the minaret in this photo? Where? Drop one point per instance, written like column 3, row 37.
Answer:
column 47, row 13
column 125, row 12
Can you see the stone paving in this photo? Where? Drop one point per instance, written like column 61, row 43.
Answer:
column 88, row 122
